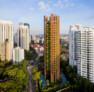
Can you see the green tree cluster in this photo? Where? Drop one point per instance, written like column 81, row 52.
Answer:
column 41, row 64
column 55, row 87
column 36, row 77
column 40, row 42
column 13, row 78
column 31, row 54
column 61, row 49
column 41, row 59
column 77, row 83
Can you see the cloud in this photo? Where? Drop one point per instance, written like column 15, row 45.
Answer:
column 65, row 4
column 72, row 5
column 32, row 9
column 44, row 7
column 69, row 5
column 59, row 4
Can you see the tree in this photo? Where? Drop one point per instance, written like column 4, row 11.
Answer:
column 41, row 59
column 32, row 42
column 77, row 83
column 14, row 77
column 34, row 70
column 30, row 55
column 36, row 76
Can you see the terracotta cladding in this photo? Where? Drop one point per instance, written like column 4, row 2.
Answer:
column 54, row 47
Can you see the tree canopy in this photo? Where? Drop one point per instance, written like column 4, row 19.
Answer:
column 77, row 83
column 13, row 78
column 31, row 54
column 36, row 76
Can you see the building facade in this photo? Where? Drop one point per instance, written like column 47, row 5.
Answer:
column 64, row 40
column 82, row 51
column 85, row 53
column 18, row 55
column 42, row 40
column 36, row 39
column 51, row 48
column 6, row 32
column 23, row 37
column 6, row 51
column 72, row 44
column 28, row 25
column 15, row 38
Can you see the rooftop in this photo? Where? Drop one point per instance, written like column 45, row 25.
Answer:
column 5, row 22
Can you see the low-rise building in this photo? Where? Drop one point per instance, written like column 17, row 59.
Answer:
column 36, row 39
column 42, row 40
column 40, row 54
column 38, row 48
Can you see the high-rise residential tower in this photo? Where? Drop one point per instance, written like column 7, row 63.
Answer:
column 28, row 25
column 52, row 48
column 23, row 37
column 82, row 50
column 6, row 32
column 72, row 44
column 85, row 53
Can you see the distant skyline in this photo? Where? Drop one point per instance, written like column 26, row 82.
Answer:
column 33, row 11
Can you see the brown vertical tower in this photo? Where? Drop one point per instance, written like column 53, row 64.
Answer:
column 52, row 48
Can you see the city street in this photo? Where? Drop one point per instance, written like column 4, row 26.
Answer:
column 31, row 85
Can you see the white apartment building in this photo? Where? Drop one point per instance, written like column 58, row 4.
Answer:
column 23, row 37
column 72, row 44
column 81, row 51
column 18, row 55
column 28, row 25
column 6, row 32
column 85, row 53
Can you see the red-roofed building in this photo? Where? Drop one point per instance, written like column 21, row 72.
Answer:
column 38, row 48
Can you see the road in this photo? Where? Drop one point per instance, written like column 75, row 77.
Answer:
column 31, row 85
column 63, row 89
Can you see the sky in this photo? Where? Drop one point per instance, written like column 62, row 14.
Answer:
column 33, row 12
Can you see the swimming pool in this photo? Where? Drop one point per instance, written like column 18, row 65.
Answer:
column 43, row 83
column 64, row 80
